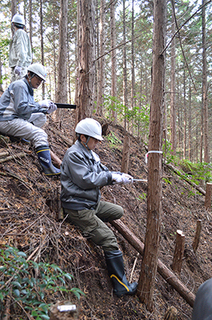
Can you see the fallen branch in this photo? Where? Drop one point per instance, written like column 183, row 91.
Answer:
column 16, row 177
column 18, row 155
column 168, row 275
column 186, row 179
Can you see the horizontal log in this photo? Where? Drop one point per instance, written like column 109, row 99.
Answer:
column 167, row 274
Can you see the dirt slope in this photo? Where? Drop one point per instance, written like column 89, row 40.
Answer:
column 29, row 218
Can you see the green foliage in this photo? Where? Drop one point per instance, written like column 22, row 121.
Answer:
column 196, row 171
column 142, row 196
column 113, row 139
column 28, row 283
column 138, row 116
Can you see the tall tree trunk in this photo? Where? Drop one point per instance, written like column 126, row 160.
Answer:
column 101, row 81
column 41, row 43
column 124, row 66
column 152, row 238
column 86, row 59
column 173, row 89
column 184, row 115
column 30, row 23
column 133, row 64
column 61, row 92
column 113, row 56
column 189, row 125
column 13, row 10
column 204, row 86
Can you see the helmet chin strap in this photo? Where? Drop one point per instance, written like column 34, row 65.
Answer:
column 86, row 143
column 30, row 78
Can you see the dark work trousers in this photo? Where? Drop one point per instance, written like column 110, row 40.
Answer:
column 91, row 223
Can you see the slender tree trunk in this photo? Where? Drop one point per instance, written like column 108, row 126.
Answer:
column 189, row 126
column 133, row 65
column 124, row 66
column 152, row 238
column 173, row 86
column 30, row 24
column 101, row 81
column 41, row 43
column 184, row 115
column 204, row 87
column 86, row 59
column 61, row 92
column 113, row 56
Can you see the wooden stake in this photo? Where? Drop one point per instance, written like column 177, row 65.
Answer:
column 178, row 252
column 208, row 195
column 125, row 155
column 197, row 235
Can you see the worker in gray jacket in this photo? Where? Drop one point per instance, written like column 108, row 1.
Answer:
column 22, row 117
column 20, row 53
column 82, row 176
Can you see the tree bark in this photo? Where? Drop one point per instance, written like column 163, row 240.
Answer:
column 125, row 155
column 173, row 86
column 179, row 252
column 124, row 67
column 101, row 81
column 149, row 265
column 204, row 86
column 113, row 56
column 86, row 59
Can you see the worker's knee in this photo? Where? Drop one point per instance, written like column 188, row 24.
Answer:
column 202, row 305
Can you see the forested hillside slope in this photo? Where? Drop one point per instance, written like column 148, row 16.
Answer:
column 30, row 222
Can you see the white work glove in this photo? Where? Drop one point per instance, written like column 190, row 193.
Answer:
column 17, row 70
column 117, row 177
column 52, row 107
column 126, row 178
column 48, row 105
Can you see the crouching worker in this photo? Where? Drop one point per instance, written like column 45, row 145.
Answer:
column 203, row 302
column 82, row 176
column 22, row 117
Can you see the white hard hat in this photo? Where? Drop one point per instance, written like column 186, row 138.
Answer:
column 89, row 127
column 18, row 18
column 38, row 69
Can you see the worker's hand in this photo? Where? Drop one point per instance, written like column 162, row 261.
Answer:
column 126, row 178
column 48, row 105
column 52, row 107
column 116, row 177
column 17, row 70
column 45, row 104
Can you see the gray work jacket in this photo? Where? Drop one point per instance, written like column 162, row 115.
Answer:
column 20, row 53
column 82, row 175
column 18, row 102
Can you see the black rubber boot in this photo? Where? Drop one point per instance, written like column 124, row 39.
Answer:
column 44, row 157
column 115, row 266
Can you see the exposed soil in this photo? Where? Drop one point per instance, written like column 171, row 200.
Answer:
column 29, row 218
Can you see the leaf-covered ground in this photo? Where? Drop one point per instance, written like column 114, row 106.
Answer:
column 29, row 220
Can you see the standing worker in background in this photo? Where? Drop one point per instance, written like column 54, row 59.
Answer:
column 82, row 176
column 20, row 53
column 22, row 117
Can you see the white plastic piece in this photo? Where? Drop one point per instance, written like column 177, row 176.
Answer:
column 67, row 307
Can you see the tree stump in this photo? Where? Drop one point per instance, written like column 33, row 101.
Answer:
column 125, row 155
column 197, row 235
column 179, row 252
column 208, row 195
column 171, row 314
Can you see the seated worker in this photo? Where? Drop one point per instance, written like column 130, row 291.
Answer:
column 82, row 176
column 22, row 117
